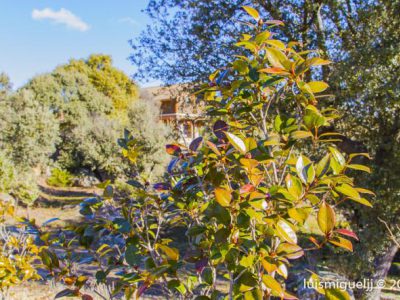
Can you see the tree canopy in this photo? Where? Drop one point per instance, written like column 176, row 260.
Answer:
column 73, row 117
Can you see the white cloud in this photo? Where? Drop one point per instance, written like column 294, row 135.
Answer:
column 63, row 16
column 128, row 20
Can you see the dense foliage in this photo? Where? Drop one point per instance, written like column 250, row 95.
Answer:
column 242, row 194
column 361, row 37
column 73, row 117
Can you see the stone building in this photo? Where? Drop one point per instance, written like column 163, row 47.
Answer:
column 178, row 109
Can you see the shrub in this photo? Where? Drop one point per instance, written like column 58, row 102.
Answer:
column 29, row 131
column 242, row 194
column 60, row 178
column 17, row 183
column 18, row 252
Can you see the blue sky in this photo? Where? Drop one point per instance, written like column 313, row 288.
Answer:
column 36, row 35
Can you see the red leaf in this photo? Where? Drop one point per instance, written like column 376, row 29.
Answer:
column 219, row 129
column 275, row 22
column 87, row 297
column 247, row 188
column 347, row 233
column 173, row 149
column 201, row 264
column 274, row 71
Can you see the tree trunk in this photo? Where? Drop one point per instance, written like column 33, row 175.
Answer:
column 382, row 266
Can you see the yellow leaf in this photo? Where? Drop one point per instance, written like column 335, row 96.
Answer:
column 276, row 58
column 359, row 167
column 276, row 43
column 317, row 86
column 271, row 283
column 326, row 218
column 336, row 294
column 317, row 61
column 269, row 267
column 300, row 134
column 172, row 253
column 342, row 242
column 223, row 196
column 252, row 12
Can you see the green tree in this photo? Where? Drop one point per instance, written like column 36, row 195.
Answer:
column 367, row 85
column 5, row 85
column 150, row 134
column 29, row 130
column 108, row 80
column 16, row 184
column 191, row 38
column 93, row 103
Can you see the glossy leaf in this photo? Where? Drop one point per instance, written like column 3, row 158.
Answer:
column 223, row 197
column 336, row 294
column 318, row 86
column 326, row 218
column 252, row 12
column 236, row 142
column 271, row 283
column 347, row 233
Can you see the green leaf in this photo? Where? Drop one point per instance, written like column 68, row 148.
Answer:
column 318, row 86
column 285, row 230
column 223, row 196
column 326, row 218
column 322, row 166
column 348, row 190
column 305, row 169
column 276, row 58
column 247, row 261
column 317, row 61
column 172, row 253
column 300, row 134
column 236, row 142
column 276, row 43
column 247, row 45
column 299, row 214
column 363, row 201
column 275, row 286
column 262, row 36
column 313, row 118
column 294, row 186
column 247, row 282
column 208, row 275
column 252, row 12
column 291, row 251
column 339, row 158
column 336, row 294
column 359, row 167
column 254, row 294
column 177, row 285
column 132, row 256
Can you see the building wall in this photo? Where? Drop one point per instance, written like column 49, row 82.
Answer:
column 178, row 108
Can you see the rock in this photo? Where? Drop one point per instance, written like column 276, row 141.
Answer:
column 85, row 179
